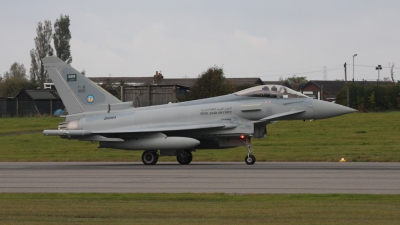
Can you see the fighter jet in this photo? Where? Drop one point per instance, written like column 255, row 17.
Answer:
column 177, row 129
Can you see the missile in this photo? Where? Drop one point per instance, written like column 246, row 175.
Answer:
column 67, row 132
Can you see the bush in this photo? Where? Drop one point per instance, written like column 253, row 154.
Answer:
column 371, row 97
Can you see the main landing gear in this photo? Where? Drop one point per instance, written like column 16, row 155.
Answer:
column 185, row 157
column 149, row 157
column 250, row 159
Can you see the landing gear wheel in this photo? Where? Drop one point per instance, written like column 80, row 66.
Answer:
column 250, row 159
column 149, row 157
column 184, row 158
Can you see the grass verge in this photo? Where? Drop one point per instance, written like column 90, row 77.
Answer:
column 198, row 209
column 20, row 125
column 358, row 137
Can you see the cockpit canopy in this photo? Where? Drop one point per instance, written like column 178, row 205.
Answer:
column 271, row 91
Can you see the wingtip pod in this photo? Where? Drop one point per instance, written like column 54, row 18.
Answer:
column 67, row 132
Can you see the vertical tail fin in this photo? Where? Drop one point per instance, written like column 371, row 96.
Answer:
column 78, row 93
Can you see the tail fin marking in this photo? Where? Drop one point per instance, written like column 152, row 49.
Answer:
column 78, row 93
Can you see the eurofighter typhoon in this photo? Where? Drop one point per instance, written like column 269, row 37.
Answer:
column 177, row 129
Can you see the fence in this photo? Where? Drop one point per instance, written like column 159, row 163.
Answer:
column 366, row 96
column 29, row 108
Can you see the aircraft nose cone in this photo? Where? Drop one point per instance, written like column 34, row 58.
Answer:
column 323, row 109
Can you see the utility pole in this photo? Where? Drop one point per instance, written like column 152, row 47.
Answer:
column 345, row 72
column 353, row 91
column 379, row 68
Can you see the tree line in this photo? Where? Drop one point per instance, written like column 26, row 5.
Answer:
column 16, row 78
column 370, row 97
column 210, row 83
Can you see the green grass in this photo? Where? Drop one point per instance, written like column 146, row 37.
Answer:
column 17, row 125
column 358, row 137
column 198, row 209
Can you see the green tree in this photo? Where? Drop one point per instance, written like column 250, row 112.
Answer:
column 292, row 81
column 43, row 48
column 14, row 81
column 62, row 37
column 211, row 83
column 11, row 86
column 109, row 87
column 370, row 97
column 16, row 70
column 34, row 72
column 6, row 75
column 118, row 89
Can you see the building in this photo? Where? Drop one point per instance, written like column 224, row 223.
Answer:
column 32, row 102
column 280, row 82
column 147, row 91
column 147, row 95
column 187, row 82
column 6, row 106
column 330, row 89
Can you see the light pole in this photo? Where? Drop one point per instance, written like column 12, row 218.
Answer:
column 379, row 67
column 352, row 100
column 353, row 66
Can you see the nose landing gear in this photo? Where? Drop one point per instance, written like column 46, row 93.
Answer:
column 250, row 159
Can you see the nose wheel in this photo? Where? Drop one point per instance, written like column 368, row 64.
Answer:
column 250, row 159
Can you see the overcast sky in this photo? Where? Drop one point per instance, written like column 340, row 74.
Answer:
column 266, row 39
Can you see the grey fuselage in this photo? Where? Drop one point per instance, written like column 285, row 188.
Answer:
column 179, row 128
column 242, row 111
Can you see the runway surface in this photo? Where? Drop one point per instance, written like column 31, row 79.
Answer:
column 304, row 177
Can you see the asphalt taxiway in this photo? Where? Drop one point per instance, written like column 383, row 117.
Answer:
column 285, row 177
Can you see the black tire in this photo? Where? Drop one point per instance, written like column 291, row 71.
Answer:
column 149, row 157
column 250, row 160
column 184, row 158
